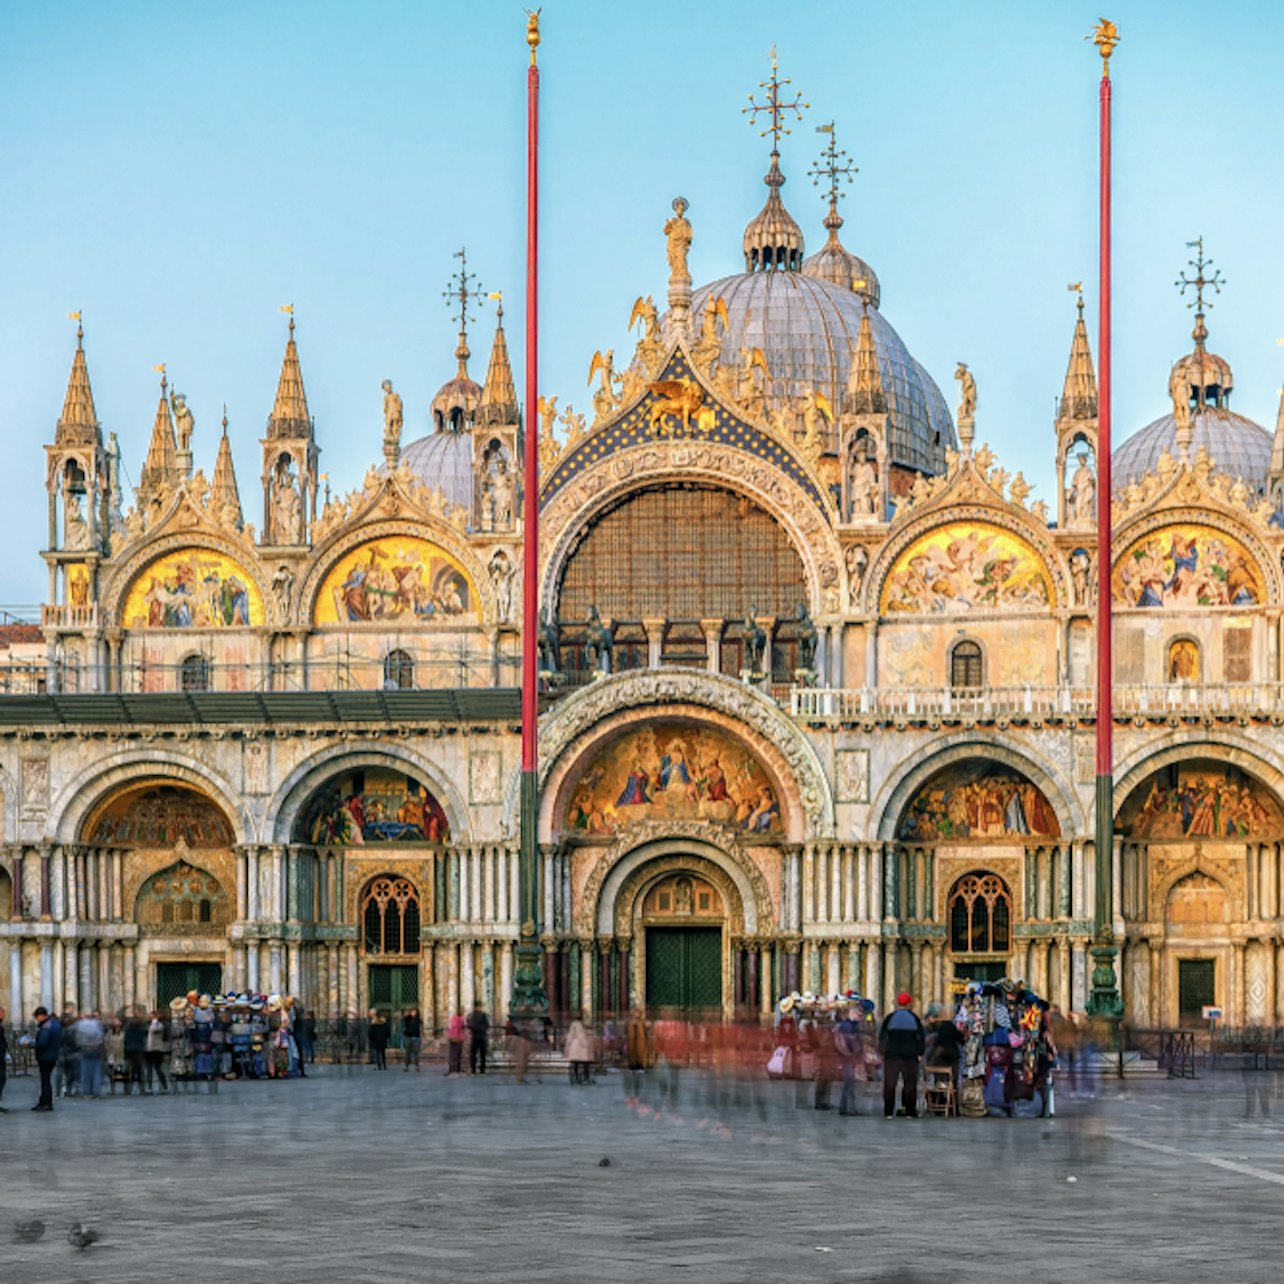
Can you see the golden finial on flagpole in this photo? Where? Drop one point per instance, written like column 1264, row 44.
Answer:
column 1105, row 35
column 532, row 30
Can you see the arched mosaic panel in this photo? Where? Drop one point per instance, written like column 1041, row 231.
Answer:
column 963, row 567
column 977, row 800
column 669, row 770
column 372, row 805
column 399, row 578
column 151, row 815
column 194, row 588
column 1201, row 799
column 183, row 898
column 1187, row 565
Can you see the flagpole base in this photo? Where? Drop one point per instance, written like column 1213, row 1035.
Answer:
column 529, row 1004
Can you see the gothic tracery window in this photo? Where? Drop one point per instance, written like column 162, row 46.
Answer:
column 980, row 915
column 390, row 917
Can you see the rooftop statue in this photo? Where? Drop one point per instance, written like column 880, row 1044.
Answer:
column 392, row 417
column 679, row 234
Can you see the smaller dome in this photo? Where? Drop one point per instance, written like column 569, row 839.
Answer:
column 1237, row 446
column 443, row 459
column 456, row 402
column 839, row 266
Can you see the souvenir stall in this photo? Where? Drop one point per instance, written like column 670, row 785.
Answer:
column 232, row 1036
column 1007, row 1049
column 802, row 1020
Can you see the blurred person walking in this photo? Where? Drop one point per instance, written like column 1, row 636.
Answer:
column 135, row 1050
column 849, row 1044
column 637, row 1054
column 580, row 1052
column 456, row 1033
column 155, row 1050
column 901, row 1040
column 4, row 1058
column 48, row 1043
column 91, row 1039
column 412, row 1038
column 305, row 1038
column 479, row 1035
column 380, row 1032
column 67, row 1083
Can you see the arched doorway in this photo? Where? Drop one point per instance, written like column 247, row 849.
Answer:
column 174, row 847
column 1202, row 858
column 391, row 917
column 683, row 921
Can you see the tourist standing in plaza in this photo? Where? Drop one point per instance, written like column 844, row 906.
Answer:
column 456, row 1032
column 157, row 1046
column 412, row 1038
column 48, row 1043
column 946, row 1043
column 580, row 1052
column 91, row 1039
column 637, row 1053
column 479, row 1034
column 135, row 1050
column 379, row 1035
column 901, row 1040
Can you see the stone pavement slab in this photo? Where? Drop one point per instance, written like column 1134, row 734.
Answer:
column 356, row 1175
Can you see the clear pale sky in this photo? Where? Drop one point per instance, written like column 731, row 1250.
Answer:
column 178, row 172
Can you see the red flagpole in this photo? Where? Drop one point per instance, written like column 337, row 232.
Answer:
column 1104, row 998
column 529, row 1000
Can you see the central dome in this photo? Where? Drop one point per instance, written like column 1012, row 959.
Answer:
column 807, row 330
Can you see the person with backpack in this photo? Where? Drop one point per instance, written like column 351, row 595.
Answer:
column 901, row 1040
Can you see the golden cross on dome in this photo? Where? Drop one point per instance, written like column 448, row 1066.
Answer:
column 775, row 106
column 463, row 287
column 833, row 164
column 1199, row 281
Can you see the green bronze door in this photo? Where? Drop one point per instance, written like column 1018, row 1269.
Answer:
column 684, row 969
column 173, row 979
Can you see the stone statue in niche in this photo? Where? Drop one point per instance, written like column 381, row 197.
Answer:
column 1083, row 491
column 287, row 511
column 76, row 529
column 863, row 484
column 857, row 559
column 501, row 572
column 283, row 591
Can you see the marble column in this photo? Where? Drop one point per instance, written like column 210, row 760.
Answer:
column 833, row 978
column 117, row 886
column 105, row 997
column 252, row 968
column 46, row 975
column 488, row 979
column 354, row 986
column 294, row 972
column 506, row 974
column 467, row 980
column 274, row 968
column 765, row 996
column 1236, row 1016
column 71, row 975
column 88, row 976
column 129, row 976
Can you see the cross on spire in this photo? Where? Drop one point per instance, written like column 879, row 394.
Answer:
column 833, row 164
column 1199, row 281
column 775, row 106
column 463, row 287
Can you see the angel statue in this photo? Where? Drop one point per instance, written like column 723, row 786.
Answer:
column 604, row 368
column 644, row 310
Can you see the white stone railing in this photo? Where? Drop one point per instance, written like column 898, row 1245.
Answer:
column 1130, row 700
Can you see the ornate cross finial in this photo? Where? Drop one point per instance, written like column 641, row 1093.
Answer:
column 463, row 287
column 1105, row 35
column 833, row 164
column 775, row 106
column 1199, row 280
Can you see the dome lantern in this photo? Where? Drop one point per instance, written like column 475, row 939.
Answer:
column 773, row 241
column 456, row 402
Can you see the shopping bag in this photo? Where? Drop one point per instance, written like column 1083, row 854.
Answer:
column 778, row 1063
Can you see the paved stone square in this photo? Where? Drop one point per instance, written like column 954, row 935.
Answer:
column 353, row 1174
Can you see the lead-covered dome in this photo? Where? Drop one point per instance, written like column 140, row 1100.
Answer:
column 807, row 330
column 443, row 459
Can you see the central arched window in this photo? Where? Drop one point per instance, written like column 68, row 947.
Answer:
column 398, row 671
column 980, row 915
column 965, row 666
column 194, row 673
column 390, row 917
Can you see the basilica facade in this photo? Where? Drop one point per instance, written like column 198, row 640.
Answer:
column 817, row 678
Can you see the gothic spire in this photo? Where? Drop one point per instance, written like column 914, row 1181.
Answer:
column 865, row 393
column 225, row 499
column 160, row 470
column 289, row 417
column 78, row 422
column 499, row 395
column 1079, row 396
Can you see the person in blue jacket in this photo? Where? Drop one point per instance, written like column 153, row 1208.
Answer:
column 48, row 1040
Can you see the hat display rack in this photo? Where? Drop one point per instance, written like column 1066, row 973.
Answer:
column 232, row 1036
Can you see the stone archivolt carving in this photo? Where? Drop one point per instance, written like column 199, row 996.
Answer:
column 697, row 832
column 591, row 706
column 575, row 506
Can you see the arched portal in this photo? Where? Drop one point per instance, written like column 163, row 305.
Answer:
column 391, row 915
column 1203, row 853
column 172, row 846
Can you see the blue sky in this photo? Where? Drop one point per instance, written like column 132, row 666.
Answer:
column 179, row 171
